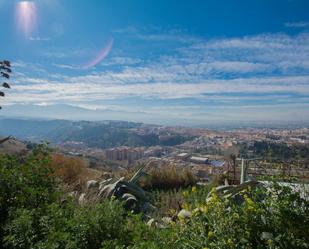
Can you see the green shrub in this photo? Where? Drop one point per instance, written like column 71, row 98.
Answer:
column 268, row 218
column 34, row 216
column 25, row 183
column 68, row 226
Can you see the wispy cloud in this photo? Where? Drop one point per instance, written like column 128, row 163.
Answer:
column 38, row 38
column 243, row 72
column 72, row 53
column 123, row 61
column 297, row 24
column 93, row 89
column 64, row 66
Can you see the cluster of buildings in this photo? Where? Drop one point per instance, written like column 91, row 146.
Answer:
column 203, row 166
column 124, row 153
column 205, row 153
column 209, row 160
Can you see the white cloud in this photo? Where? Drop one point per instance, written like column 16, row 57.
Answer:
column 38, row 38
column 297, row 24
column 92, row 89
column 225, row 71
column 63, row 66
column 238, row 66
column 121, row 61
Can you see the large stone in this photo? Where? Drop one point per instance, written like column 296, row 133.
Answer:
column 82, row 199
column 151, row 223
column 184, row 214
column 92, row 184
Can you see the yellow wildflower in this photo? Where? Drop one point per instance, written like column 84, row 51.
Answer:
column 172, row 211
column 185, row 193
column 236, row 216
column 251, row 207
column 193, row 189
column 210, row 234
column 204, row 209
column 186, row 206
column 230, row 242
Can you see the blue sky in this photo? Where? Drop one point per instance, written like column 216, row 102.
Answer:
column 164, row 61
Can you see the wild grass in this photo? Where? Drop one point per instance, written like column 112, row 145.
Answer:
column 165, row 177
column 170, row 177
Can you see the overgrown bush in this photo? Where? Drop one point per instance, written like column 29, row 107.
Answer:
column 25, row 183
column 34, row 216
column 67, row 168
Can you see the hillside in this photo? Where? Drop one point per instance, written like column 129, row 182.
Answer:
column 100, row 134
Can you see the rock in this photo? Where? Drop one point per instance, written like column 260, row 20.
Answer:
column 184, row 214
column 167, row 220
column 151, row 223
column 73, row 194
column 106, row 175
column 82, row 199
column 92, row 184
column 266, row 235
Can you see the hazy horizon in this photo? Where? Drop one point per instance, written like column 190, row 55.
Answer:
column 212, row 125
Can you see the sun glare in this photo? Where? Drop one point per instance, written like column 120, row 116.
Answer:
column 101, row 56
column 26, row 15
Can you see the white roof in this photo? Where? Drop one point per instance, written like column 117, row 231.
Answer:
column 183, row 154
column 197, row 158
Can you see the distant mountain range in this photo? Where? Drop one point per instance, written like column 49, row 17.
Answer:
column 69, row 112
column 100, row 134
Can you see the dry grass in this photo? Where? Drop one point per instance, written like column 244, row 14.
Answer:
column 73, row 171
column 67, row 168
column 169, row 177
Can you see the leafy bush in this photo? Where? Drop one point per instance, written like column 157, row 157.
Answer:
column 268, row 218
column 25, row 183
column 34, row 216
column 68, row 226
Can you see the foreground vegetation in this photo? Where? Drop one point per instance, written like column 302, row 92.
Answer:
column 282, row 151
column 34, row 214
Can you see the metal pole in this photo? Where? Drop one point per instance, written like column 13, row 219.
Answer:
column 243, row 173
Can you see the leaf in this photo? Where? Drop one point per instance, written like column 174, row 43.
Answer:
column 5, row 75
column 7, row 63
column 137, row 175
column 6, row 85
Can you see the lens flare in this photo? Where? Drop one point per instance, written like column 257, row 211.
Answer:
column 103, row 53
column 26, row 17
